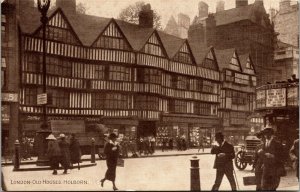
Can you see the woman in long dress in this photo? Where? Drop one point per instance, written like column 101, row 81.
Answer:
column 111, row 150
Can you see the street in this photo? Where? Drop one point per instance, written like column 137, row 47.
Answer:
column 157, row 173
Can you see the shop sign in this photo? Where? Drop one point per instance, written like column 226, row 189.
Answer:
column 5, row 114
column 33, row 118
column 9, row 97
column 67, row 126
column 42, row 99
column 276, row 97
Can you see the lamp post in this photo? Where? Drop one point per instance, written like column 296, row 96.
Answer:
column 43, row 6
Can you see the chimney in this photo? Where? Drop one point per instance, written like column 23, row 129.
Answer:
column 67, row 5
column 240, row 3
column 146, row 16
column 203, row 9
column 220, row 6
column 210, row 30
column 284, row 6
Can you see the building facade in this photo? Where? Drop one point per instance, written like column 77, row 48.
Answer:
column 286, row 22
column 237, row 94
column 9, row 74
column 180, row 27
column 247, row 28
column 132, row 78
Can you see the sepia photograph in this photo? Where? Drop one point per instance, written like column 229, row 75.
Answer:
column 149, row 95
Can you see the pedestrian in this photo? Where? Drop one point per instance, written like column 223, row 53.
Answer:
column 183, row 144
column 65, row 151
column 223, row 162
column 54, row 153
column 152, row 144
column 201, row 144
column 171, row 143
column 273, row 165
column 141, row 146
column 124, row 147
column 75, row 152
column 111, row 150
column 164, row 144
column 178, row 143
column 29, row 148
column 294, row 154
column 258, row 161
column 133, row 147
column 23, row 149
column 147, row 146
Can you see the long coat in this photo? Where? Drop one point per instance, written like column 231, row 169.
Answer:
column 65, row 151
column 53, row 149
column 224, row 162
column 75, row 153
column 111, row 160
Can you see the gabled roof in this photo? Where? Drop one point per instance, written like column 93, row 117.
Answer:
column 224, row 57
column 243, row 60
column 199, row 52
column 136, row 35
column 172, row 43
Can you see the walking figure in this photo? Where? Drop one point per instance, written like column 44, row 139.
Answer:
column 111, row 150
column 223, row 162
column 75, row 151
column 258, row 161
column 65, row 151
column 54, row 153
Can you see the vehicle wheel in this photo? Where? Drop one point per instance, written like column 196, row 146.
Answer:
column 239, row 160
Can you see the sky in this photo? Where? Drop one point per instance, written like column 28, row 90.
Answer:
column 166, row 8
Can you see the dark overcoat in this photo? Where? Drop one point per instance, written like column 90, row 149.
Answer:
column 226, row 161
column 75, row 153
column 111, row 160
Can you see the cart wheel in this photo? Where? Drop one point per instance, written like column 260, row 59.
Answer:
column 239, row 160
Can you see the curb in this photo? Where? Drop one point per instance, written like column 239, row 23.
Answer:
column 98, row 159
column 49, row 168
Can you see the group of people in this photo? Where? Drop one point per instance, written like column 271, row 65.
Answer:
column 26, row 148
column 146, row 145
column 269, row 161
column 64, row 152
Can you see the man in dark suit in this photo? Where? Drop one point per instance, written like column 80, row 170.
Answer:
column 272, row 162
column 223, row 162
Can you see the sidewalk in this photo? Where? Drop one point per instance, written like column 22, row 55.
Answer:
column 158, row 153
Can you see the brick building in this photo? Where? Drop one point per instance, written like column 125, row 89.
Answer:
column 179, row 28
column 247, row 28
column 286, row 22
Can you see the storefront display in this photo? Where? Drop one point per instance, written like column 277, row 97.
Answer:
column 195, row 136
column 163, row 132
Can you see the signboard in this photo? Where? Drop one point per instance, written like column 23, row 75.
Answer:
column 67, row 126
column 5, row 114
column 276, row 97
column 292, row 96
column 9, row 97
column 42, row 99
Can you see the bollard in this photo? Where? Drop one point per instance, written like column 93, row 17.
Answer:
column 195, row 175
column 17, row 155
column 93, row 151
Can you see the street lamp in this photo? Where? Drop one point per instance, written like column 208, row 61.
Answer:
column 43, row 6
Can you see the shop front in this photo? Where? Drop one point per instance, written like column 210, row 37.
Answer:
column 193, row 129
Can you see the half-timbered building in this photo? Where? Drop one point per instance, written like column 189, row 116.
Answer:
column 132, row 78
column 237, row 93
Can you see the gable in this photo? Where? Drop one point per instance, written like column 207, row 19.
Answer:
column 235, row 63
column 184, row 55
column 154, row 46
column 210, row 61
column 58, row 29
column 112, row 38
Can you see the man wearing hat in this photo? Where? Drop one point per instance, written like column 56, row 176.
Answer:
column 258, row 160
column 223, row 162
column 272, row 162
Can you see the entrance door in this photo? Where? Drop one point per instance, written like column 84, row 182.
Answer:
column 146, row 129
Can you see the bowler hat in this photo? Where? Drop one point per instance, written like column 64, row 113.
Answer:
column 62, row 135
column 112, row 136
